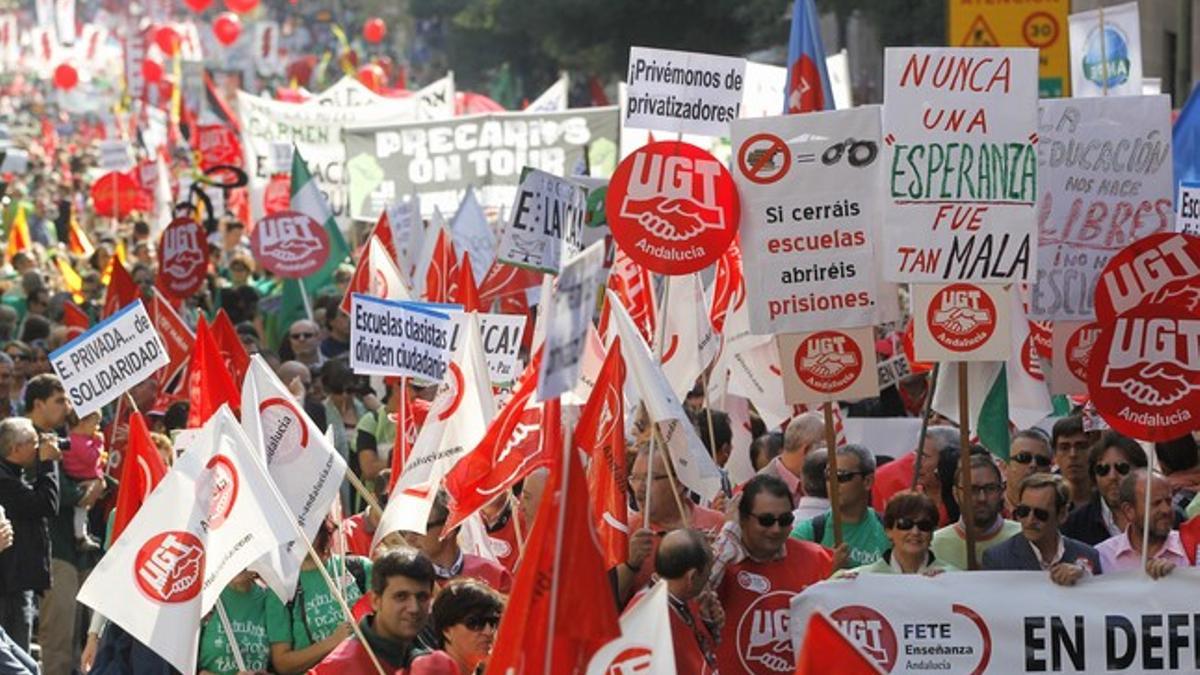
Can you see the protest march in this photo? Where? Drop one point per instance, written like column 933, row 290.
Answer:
column 546, row 339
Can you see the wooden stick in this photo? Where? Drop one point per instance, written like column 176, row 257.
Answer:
column 831, row 470
column 1146, row 520
column 712, row 435
column 363, row 491
column 233, row 644
column 683, row 514
column 967, row 505
column 927, row 408
column 335, row 590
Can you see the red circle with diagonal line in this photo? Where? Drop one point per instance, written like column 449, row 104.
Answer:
column 764, row 159
column 456, row 382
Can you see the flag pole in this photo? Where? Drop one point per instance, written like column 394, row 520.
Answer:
column 966, row 507
column 926, row 409
column 832, row 474
column 233, row 644
column 308, row 311
column 363, row 491
column 662, row 335
column 564, row 475
column 1103, row 55
column 1146, row 513
column 712, row 436
column 683, row 514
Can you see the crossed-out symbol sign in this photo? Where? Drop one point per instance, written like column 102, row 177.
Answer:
column 764, row 159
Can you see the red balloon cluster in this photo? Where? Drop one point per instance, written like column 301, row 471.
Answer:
column 197, row 6
column 227, row 27
column 374, row 30
column 241, row 6
column 66, row 77
column 168, row 40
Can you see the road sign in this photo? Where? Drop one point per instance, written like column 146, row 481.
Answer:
column 1041, row 24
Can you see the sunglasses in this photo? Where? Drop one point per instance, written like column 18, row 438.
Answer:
column 906, row 524
column 1121, row 467
column 847, row 476
column 1027, row 457
column 1022, row 512
column 478, row 622
column 770, row 519
column 302, row 336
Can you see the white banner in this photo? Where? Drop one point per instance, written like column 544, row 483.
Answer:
column 1106, row 52
column 1105, row 178
column 113, row 356
column 683, row 92
column 1006, row 623
column 547, row 223
column 397, row 338
column 567, row 319
column 960, row 144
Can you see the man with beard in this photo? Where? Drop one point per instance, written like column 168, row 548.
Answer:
column 1109, row 461
column 1124, row 551
column 950, row 543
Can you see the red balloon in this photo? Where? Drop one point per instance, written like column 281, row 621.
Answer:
column 374, row 30
column 152, row 70
column 197, row 6
column 372, row 76
column 241, row 6
column 66, row 77
column 167, row 39
column 227, row 27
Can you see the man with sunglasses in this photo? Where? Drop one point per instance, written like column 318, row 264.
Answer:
column 1110, row 459
column 1028, row 454
column 756, row 591
column 863, row 537
column 950, row 542
column 1041, row 509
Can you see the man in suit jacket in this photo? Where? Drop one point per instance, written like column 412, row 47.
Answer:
column 1042, row 509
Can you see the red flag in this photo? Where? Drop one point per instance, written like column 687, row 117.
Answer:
column 179, row 341
column 827, row 650
column 506, row 281
column 601, row 434
column 383, row 230
column 232, row 349
column 122, row 289
column 443, row 269
column 512, row 447
column 406, row 432
column 729, row 286
column 209, row 383
column 141, row 469
column 631, row 283
column 568, row 575
column 74, row 317
column 465, row 292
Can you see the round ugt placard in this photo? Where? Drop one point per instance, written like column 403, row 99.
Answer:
column 290, row 244
column 183, row 257
column 672, row 207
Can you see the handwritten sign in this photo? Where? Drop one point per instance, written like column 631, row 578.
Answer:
column 960, row 139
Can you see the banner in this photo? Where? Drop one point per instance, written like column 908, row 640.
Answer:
column 440, row 160
column 810, row 218
column 683, row 92
column 1106, row 52
column 960, row 136
column 396, row 338
column 1187, row 211
column 546, row 227
column 1005, row 623
column 105, row 362
column 1106, row 180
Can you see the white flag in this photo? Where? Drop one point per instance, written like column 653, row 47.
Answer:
column 457, row 421
column 425, row 257
column 306, row 468
column 163, row 203
column 386, row 280
column 214, row 514
column 554, row 99
column 471, row 234
column 692, row 462
column 645, row 646
column 689, row 343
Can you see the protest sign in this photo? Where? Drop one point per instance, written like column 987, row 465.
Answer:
column 397, row 338
column 1072, row 343
column 290, row 244
column 892, row 370
column 546, row 227
column 961, row 322
column 1105, row 176
column 1004, row 623
column 114, row 155
column 440, row 160
column 828, row 365
column 183, row 250
column 683, row 92
column 568, row 317
column 959, row 132
column 1106, row 51
column 672, row 208
column 1187, row 213
column 501, row 335
column 809, row 218
column 217, row 145
column 113, row 356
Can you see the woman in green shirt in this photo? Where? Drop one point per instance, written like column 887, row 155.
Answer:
column 304, row 631
column 909, row 521
column 245, row 604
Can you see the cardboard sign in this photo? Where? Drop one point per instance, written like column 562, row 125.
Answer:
column 672, row 208
column 1071, row 354
column 1187, row 214
column 960, row 144
column 501, row 335
column 1105, row 178
column 683, row 92
column 112, row 357
column 828, row 365
column 808, row 187
column 291, row 245
column 1106, row 52
column 569, row 315
column 891, row 371
column 961, row 322
column 183, row 256
column 547, row 223
column 397, row 338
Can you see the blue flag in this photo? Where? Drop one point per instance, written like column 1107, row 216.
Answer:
column 1185, row 142
column 808, row 82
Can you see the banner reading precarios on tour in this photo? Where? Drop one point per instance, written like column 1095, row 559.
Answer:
column 105, row 362
column 960, row 151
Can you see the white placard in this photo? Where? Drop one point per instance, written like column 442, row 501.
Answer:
column 114, row 155
column 569, row 315
column 828, row 365
column 683, row 92
column 1106, row 62
column 1187, row 214
column 113, row 356
column 501, row 334
column 388, row 337
column 961, row 322
column 547, row 223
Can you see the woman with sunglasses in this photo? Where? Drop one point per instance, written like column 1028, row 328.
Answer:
column 909, row 521
column 465, row 615
column 1110, row 459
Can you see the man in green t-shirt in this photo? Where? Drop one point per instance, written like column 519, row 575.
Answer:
column 987, row 485
column 863, row 536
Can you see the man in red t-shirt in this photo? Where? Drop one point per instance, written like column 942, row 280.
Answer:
column 897, row 475
column 449, row 561
column 757, row 591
